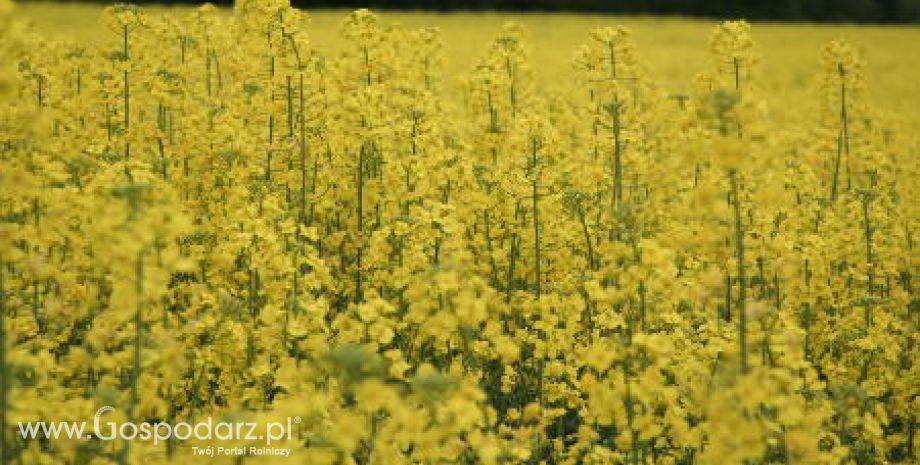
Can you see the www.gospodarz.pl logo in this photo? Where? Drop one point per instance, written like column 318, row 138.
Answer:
column 206, row 430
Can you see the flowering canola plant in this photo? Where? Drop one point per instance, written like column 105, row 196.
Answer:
column 205, row 216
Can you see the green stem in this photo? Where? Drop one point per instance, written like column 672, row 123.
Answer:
column 138, row 341
column 41, row 91
column 290, row 107
column 127, row 90
column 728, row 297
column 127, row 101
column 512, row 88
column 217, row 74
column 587, row 234
column 303, row 155
column 4, row 384
column 642, row 305
column 164, row 163
column 736, row 64
column 512, row 258
column 617, row 160
column 536, row 219
column 271, row 138
column 367, row 66
column 843, row 138
column 736, row 67
column 742, row 276
column 870, row 260
column 489, row 248
column 359, row 291
column 613, row 59
column 867, row 225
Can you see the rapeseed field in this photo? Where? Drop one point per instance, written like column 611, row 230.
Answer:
column 263, row 235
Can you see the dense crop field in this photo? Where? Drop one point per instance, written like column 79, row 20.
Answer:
column 533, row 239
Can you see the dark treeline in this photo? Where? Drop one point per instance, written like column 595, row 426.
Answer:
column 882, row 11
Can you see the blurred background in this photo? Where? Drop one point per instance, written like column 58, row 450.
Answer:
column 872, row 11
column 672, row 36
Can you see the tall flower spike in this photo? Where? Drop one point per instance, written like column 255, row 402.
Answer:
column 120, row 16
column 735, row 52
column 842, row 81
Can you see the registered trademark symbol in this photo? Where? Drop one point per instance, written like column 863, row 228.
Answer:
column 297, row 420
